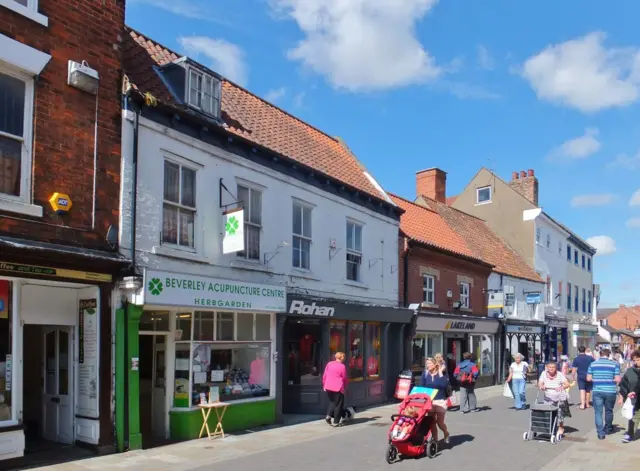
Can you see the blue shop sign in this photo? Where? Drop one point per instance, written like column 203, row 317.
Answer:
column 534, row 298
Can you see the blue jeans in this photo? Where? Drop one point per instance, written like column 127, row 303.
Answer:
column 604, row 402
column 518, row 388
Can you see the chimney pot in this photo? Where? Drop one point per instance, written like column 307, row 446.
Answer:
column 523, row 174
column 514, row 176
column 432, row 183
column 530, row 172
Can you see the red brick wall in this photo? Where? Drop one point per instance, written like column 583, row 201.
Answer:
column 626, row 317
column 63, row 150
column 449, row 267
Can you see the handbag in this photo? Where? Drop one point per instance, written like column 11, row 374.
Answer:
column 627, row 409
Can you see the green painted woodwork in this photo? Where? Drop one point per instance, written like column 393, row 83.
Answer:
column 185, row 425
column 120, row 379
column 133, row 343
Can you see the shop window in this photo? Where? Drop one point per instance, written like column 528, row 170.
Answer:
column 429, row 289
column 434, row 345
column 301, row 251
column 337, row 337
column 464, row 295
column 224, row 326
column 354, row 251
column 303, row 362
column 263, row 327
column 373, row 349
column 481, row 347
column 356, row 355
column 179, row 208
column 6, row 354
column 203, row 325
column 181, row 387
column 154, row 321
column 418, row 348
column 183, row 326
column 244, row 326
column 251, row 200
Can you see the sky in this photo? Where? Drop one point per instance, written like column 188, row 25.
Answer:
column 455, row 84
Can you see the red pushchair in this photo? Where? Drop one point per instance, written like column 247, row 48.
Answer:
column 410, row 434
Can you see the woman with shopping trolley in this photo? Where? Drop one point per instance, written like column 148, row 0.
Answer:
column 555, row 387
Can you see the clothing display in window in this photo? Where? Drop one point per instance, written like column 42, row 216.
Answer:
column 306, row 347
column 258, row 374
column 372, row 366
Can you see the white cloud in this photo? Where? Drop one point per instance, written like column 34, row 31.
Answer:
column 579, row 147
column 604, row 244
column 602, row 199
column 633, row 223
column 275, row 94
column 225, row 58
column 635, row 199
column 298, row 99
column 362, row 45
column 485, row 60
column 628, row 162
column 583, row 74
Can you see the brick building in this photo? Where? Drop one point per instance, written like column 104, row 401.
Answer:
column 620, row 327
column 60, row 83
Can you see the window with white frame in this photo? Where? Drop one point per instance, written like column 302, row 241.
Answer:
column 301, row 235
column 251, row 200
column 429, row 289
column 464, row 295
column 483, row 195
column 549, row 241
column 179, row 206
column 16, row 111
column 203, row 92
column 538, row 235
column 354, row 251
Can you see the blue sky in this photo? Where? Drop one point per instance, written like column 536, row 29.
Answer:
column 456, row 84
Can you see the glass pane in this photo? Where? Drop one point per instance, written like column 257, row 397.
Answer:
column 6, row 357
column 188, row 187
column 183, row 326
column 169, row 224
column 224, row 326
column 187, row 227
column 181, row 382
column 256, row 207
column 434, row 344
column 295, row 251
column 230, row 372
column 373, row 350
column 356, row 355
column 337, row 337
column 483, row 354
column 155, row 321
column 12, row 93
column 243, row 199
column 263, row 327
column 10, row 166
column 349, row 236
column 23, row 2
column 252, row 234
column 418, row 348
column 297, row 219
column 63, row 363
column 244, row 330
column 203, row 325
column 50, row 359
column 358, row 238
column 305, row 257
column 306, row 222
column 171, row 182
column 206, row 95
column 304, row 361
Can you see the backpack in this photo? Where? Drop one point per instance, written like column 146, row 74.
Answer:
column 466, row 377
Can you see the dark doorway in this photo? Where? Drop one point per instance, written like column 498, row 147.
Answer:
column 146, row 389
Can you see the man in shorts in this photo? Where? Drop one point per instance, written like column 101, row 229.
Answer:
column 580, row 367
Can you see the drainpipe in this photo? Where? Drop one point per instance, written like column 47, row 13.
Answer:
column 134, row 196
column 405, row 275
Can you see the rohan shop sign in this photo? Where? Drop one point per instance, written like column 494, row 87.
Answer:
column 175, row 289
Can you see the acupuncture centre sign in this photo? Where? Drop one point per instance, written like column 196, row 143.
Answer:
column 175, row 289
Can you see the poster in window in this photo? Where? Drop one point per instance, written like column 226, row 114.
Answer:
column 87, row 403
column 373, row 350
column 337, row 337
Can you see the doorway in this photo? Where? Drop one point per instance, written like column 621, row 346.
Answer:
column 152, row 364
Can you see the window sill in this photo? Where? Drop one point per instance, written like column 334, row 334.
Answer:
column 482, row 203
column 466, row 309
column 25, row 11
column 356, row 284
column 14, row 206
column 429, row 305
column 177, row 253
column 302, row 273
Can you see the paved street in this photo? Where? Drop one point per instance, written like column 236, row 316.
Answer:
column 492, row 437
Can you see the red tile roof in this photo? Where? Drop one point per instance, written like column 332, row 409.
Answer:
column 253, row 118
column 427, row 227
column 483, row 242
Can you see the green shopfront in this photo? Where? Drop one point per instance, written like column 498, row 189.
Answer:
column 183, row 337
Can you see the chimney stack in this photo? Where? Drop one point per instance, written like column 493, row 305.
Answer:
column 525, row 183
column 432, row 183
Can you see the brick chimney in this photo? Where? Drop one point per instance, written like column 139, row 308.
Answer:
column 526, row 184
column 432, row 183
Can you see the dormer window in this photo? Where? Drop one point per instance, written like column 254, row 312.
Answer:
column 203, row 92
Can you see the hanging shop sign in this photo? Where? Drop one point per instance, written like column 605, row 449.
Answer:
column 448, row 324
column 87, row 403
column 525, row 329
column 534, row 298
column 233, row 236
column 496, row 300
column 585, row 328
column 174, row 289
column 18, row 269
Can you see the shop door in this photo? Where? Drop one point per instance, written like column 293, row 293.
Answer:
column 57, row 399
column 159, row 388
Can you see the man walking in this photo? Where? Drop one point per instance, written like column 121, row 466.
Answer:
column 467, row 373
column 580, row 367
column 605, row 375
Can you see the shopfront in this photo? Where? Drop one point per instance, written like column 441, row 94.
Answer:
column 525, row 339
column 453, row 336
column 584, row 335
column 310, row 332
column 556, row 339
column 193, row 337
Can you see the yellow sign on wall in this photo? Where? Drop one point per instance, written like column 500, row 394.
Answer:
column 60, row 203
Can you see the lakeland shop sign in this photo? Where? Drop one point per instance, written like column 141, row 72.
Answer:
column 174, row 289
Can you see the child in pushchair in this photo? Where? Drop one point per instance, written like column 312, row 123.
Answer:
column 410, row 433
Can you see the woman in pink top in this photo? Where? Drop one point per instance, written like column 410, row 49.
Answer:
column 334, row 382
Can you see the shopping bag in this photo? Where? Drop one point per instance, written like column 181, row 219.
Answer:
column 506, row 391
column 452, row 401
column 422, row 390
column 627, row 409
